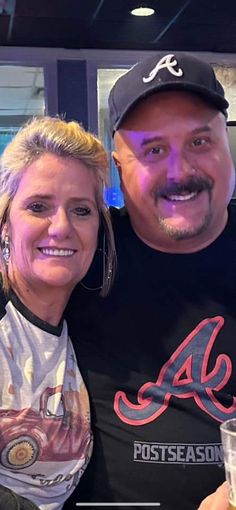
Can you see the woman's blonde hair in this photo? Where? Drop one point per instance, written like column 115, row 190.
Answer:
column 64, row 139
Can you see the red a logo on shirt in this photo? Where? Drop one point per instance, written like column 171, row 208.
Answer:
column 184, row 375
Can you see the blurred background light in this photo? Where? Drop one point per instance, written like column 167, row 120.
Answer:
column 142, row 11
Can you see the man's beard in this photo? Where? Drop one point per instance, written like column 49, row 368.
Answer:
column 193, row 184
column 180, row 234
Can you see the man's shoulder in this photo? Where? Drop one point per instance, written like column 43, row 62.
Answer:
column 232, row 212
column 119, row 215
column 120, row 222
column 232, row 205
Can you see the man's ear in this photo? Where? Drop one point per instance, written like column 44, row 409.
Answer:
column 118, row 166
column 116, row 160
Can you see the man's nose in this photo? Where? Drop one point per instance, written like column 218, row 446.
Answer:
column 60, row 225
column 178, row 168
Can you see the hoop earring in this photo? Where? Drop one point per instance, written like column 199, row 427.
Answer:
column 106, row 273
column 6, row 249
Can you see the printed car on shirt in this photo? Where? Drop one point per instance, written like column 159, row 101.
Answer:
column 55, row 433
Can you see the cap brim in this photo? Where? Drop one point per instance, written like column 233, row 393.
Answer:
column 216, row 100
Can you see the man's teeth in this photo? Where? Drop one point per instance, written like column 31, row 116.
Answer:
column 182, row 197
column 56, row 252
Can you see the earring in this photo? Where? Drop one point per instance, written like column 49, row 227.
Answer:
column 6, row 249
column 103, row 264
column 106, row 269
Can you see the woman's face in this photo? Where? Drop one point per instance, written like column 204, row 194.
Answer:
column 53, row 224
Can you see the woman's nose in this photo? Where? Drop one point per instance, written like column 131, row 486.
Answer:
column 60, row 225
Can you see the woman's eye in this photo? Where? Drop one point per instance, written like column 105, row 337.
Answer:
column 82, row 211
column 36, row 207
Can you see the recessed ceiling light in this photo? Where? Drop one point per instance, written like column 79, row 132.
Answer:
column 142, row 11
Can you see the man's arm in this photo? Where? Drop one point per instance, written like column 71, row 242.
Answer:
column 218, row 500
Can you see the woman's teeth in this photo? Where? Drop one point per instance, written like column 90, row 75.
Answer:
column 56, row 252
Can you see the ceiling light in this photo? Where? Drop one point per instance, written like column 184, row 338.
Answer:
column 142, row 11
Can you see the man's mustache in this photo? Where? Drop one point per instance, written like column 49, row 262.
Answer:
column 191, row 185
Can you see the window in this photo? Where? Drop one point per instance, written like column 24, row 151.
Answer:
column 21, row 97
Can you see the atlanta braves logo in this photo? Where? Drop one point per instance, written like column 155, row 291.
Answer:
column 184, row 375
column 165, row 62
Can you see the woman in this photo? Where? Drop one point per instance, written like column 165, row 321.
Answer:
column 51, row 208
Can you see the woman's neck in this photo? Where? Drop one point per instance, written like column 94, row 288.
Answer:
column 46, row 303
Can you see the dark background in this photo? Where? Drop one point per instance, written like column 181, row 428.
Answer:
column 190, row 25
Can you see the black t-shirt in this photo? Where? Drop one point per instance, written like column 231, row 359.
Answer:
column 158, row 356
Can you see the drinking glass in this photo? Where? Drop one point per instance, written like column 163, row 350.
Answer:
column 228, row 435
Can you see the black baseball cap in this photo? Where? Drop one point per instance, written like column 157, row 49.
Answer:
column 161, row 72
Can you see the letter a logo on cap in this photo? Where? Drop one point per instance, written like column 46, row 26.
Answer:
column 165, row 62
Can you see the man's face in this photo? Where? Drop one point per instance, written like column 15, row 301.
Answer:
column 176, row 171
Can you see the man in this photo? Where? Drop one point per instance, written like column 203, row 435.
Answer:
column 158, row 354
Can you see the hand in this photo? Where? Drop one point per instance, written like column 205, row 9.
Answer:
column 218, row 500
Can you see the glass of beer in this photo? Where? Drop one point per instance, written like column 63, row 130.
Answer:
column 228, row 435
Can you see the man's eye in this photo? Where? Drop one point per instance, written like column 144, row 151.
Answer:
column 82, row 211
column 199, row 142
column 156, row 150
column 36, row 207
column 153, row 153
